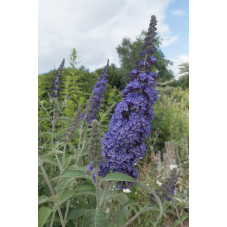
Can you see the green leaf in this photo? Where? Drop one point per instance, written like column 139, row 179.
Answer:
column 130, row 203
column 63, row 184
column 72, row 174
column 76, row 213
column 120, row 197
column 121, row 217
column 42, row 199
column 50, row 161
column 44, row 213
column 118, row 177
column 65, row 119
column 153, row 208
column 49, row 154
column 183, row 218
column 85, row 189
column 86, row 192
column 95, row 218
column 65, row 196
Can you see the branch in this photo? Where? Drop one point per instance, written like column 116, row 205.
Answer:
column 51, row 191
column 135, row 217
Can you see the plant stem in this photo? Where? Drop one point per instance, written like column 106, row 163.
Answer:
column 186, row 146
column 51, row 191
column 78, row 152
column 46, row 111
column 107, row 187
column 52, row 220
column 67, row 210
column 177, row 214
column 56, row 156
column 104, row 206
column 53, row 128
column 136, row 216
column 97, row 188
column 63, row 159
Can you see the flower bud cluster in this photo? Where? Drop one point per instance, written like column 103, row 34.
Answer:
column 99, row 90
column 95, row 145
column 124, row 143
column 56, row 80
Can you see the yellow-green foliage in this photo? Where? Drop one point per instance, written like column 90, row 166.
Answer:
column 171, row 115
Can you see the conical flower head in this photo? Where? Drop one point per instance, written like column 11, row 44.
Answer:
column 56, row 80
column 99, row 90
column 124, row 143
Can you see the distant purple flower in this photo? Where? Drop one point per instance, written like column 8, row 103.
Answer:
column 167, row 189
column 124, row 143
column 56, row 81
column 99, row 90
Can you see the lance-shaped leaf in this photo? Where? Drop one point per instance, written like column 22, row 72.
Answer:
column 118, row 177
column 65, row 196
column 95, row 218
column 72, row 174
column 76, row 213
column 44, row 213
column 120, row 197
column 43, row 199
column 121, row 217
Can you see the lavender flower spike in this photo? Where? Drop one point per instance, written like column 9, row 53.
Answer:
column 124, row 143
column 167, row 189
column 56, row 80
column 99, row 90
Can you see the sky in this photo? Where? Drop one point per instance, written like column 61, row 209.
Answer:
column 96, row 27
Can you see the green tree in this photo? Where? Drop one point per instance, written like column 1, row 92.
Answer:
column 184, row 78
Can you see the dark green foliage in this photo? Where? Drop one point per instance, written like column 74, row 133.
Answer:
column 114, row 78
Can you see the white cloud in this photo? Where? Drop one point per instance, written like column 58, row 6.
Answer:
column 94, row 28
column 178, row 12
column 176, row 62
column 169, row 40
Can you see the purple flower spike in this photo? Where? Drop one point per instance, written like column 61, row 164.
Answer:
column 167, row 189
column 124, row 143
column 56, row 81
column 99, row 90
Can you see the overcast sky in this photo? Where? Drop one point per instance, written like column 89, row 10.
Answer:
column 96, row 27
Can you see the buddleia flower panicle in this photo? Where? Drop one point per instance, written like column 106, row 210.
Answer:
column 70, row 130
column 94, row 153
column 56, row 80
column 124, row 143
column 99, row 90
column 167, row 190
